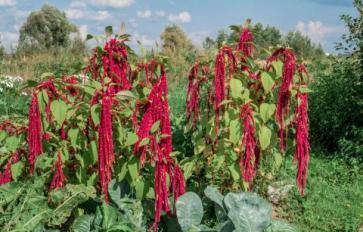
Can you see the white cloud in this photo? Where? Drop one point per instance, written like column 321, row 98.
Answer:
column 182, row 17
column 9, row 39
column 148, row 14
column 160, row 13
column 144, row 14
column 83, row 31
column 198, row 38
column 75, row 13
column 112, row 3
column 133, row 22
column 7, row 2
column 317, row 31
column 100, row 15
column 77, row 4
column 144, row 40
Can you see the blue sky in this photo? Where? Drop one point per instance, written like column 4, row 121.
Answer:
column 145, row 19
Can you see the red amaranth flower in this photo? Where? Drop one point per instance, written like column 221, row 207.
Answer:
column 219, row 79
column 114, row 65
column 302, row 141
column 283, row 100
column 105, row 145
column 158, row 110
column 34, row 132
column 246, row 42
column 6, row 176
column 59, row 178
column 250, row 151
column 71, row 81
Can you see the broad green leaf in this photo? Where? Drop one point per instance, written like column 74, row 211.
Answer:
column 67, row 199
column 236, row 88
column 281, row 226
column 266, row 111
column 267, row 82
column 235, row 172
column 248, row 212
column 144, row 142
column 125, row 94
column 235, row 131
column 214, row 195
column 95, row 114
column 199, row 146
column 155, row 126
column 73, row 136
column 17, row 170
column 188, row 169
column 131, row 139
column 108, row 30
column 278, row 65
column 82, row 223
column 11, row 143
column 189, row 210
column 264, row 136
column 59, row 111
column 303, row 89
column 133, row 169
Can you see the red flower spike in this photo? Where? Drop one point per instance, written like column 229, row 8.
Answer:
column 219, row 80
column 105, row 145
column 6, row 176
column 250, row 157
column 302, row 141
column 34, row 132
column 59, row 178
column 283, row 100
column 246, row 42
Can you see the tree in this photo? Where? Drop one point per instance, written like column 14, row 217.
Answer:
column 303, row 46
column 174, row 39
column 180, row 50
column 48, row 27
column 2, row 50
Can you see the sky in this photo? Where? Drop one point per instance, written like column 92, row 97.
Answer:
column 146, row 19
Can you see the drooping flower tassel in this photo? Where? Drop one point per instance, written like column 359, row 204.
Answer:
column 302, row 141
column 59, row 178
column 161, row 192
column 246, row 42
column 250, row 157
column 34, row 137
column 283, row 99
column 105, row 145
column 5, row 176
column 219, row 80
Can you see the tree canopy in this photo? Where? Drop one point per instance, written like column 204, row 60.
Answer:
column 46, row 28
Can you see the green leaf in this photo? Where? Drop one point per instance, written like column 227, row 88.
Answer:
column 82, row 223
column 236, row 88
column 89, row 36
column 304, row 89
column 155, row 126
column 95, row 114
column 59, row 111
column 278, row 65
column 17, row 170
column 188, row 169
column 133, row 169
column 131, row 139
column 235, row 172
column 266, row 111
column 108, row 30
column 235, row 131
column 125, row 94
column 67, row 199
column 267, row 82
column 199, row 146
column 11, row 143
column 189, row 210
column 264, row 136
column 280, row 226
column 214, row 195
column 144, row 142
column 248, row 212
column 73, row 136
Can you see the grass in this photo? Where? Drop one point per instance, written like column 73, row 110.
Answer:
column 334, row 196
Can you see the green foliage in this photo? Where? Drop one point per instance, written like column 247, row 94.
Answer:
column 46, row 28
column 333, row 200
column 242, row 212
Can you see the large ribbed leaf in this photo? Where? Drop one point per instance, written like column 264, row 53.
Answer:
column 189, row 210
column 67, row 199
column 82, row 223
column 280, row 226
column 248, row 212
